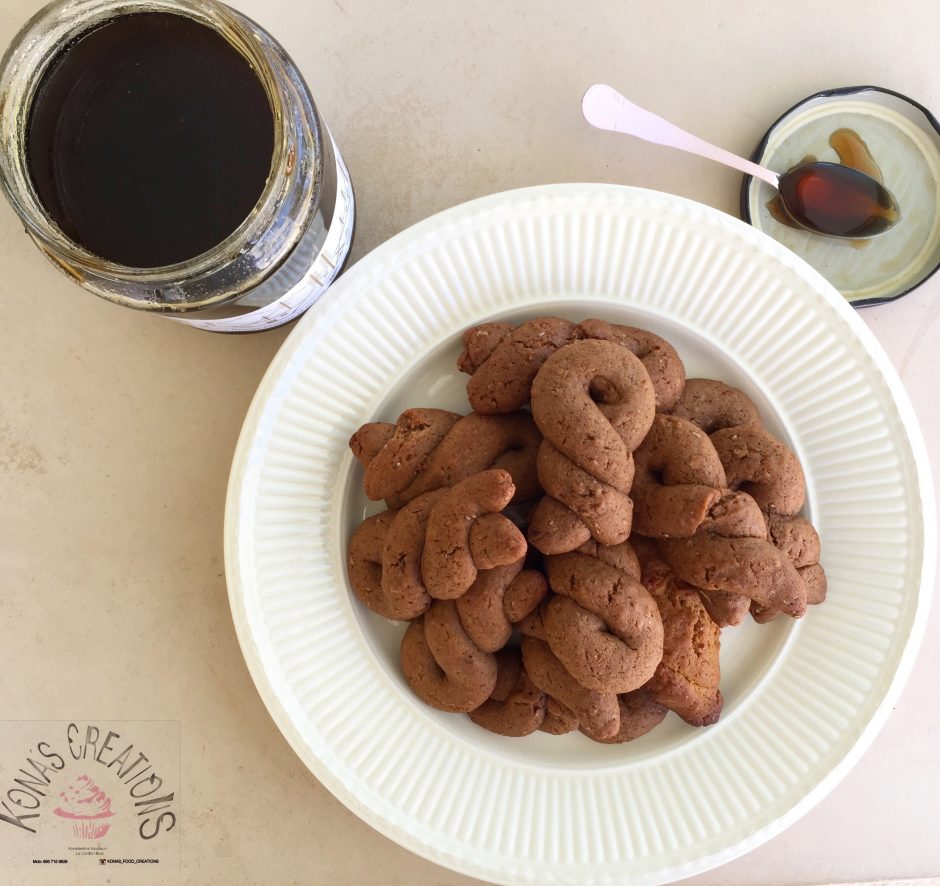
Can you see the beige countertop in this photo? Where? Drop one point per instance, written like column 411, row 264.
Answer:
column 117, row 429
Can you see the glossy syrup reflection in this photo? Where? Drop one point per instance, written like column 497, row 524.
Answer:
column 853, row 152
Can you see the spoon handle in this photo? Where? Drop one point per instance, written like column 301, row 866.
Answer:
column 606, row 108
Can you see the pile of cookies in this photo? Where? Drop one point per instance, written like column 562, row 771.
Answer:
column 570, row 565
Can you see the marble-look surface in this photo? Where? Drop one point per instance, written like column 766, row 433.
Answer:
column 117, row 429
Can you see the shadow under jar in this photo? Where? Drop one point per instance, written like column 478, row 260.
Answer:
column 168, row 156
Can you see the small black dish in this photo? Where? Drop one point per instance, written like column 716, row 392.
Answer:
column 903, row 138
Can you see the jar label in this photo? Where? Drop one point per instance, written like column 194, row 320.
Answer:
column 322, row 272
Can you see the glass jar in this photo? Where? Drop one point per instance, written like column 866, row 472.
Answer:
column 278, row 261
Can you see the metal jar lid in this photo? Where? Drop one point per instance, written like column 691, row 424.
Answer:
column 903, row 138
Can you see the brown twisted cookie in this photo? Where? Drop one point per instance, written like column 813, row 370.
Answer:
column 797, row 538
column 749, row 565
column 593, row 402
column 402, row 579
column 504, row 360
column 640, row 713
column 734, row 516
column 443, row 665
column 754, row 462
column 385, row 560
column 661, row 360
column 760, row 465
column 686, row 680
column 386, row 555
column 496, row 600
column 713, row 405
column 394, row 454
column 458, row 543
column 428, row 449
column 558, row 719
column 601, row 624
column 679, row 477
column 620, row 556
column 598, row 713
column 364, row 564
column 517, row 706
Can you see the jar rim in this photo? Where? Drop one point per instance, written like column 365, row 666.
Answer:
column 18, row 85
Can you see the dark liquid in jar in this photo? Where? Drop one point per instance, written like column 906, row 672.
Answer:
column 149, row 139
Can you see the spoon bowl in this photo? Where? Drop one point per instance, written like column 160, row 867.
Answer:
column 825, row 198
column 837, row 200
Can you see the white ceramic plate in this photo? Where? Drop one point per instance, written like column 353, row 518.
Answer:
column 803, row 699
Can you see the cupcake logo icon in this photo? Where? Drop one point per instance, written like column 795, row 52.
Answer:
column 87, row 806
